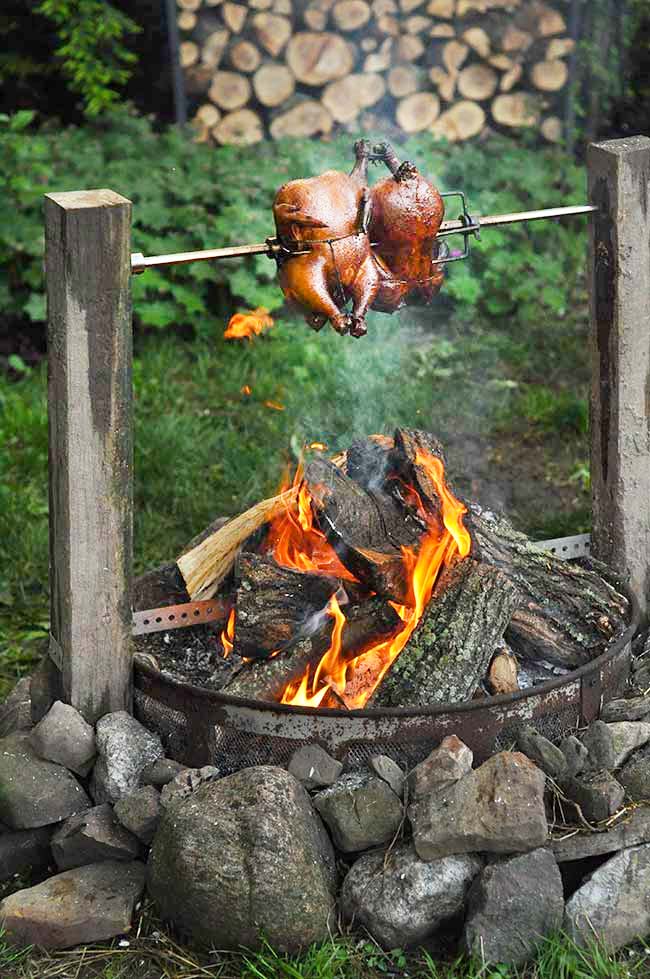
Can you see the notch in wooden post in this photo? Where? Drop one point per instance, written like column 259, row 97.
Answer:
column 619, row 287
column 88, row 272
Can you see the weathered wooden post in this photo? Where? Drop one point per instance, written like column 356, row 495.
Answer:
column 619, row 285
column 88, row 270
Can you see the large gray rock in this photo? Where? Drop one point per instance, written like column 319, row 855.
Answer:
column 34, row 792
column 92, row 836
column 388, row 770
column 542, row 752
column 24, row 850
column 599, row 742
column 598, row 794
column 498, row 808
column 446, row 764
column 575, row 755
column 614, row 903
column 16, row 711
column 312, row 766
column 125, row 749
column 140, row 812
column 513, row 904
column 634, row 776
column 65, row 737
column 632, row 830
column 242, row 856
column 88, row 904
column 630, row 709
column 400, row 899
column 627, row 737
column 360, row 811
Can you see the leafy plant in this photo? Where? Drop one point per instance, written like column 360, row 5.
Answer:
column 91, row 49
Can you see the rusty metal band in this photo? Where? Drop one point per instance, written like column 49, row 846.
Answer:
column 179, row 616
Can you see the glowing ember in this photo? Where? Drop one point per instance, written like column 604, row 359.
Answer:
column 318, row 446
column 246, row 390
column 245, row 326
column 228, row 635
column 354, row 681
column 275, row 405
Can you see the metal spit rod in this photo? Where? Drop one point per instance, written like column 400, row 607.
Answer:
column 140, row 263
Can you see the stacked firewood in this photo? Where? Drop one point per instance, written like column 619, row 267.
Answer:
column 301, row 67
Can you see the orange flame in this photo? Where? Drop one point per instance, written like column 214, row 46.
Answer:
column 228, row 635
column 318, row 446
column 245, row 326
column 355, row 680
column 246, row 390
column 275, row 405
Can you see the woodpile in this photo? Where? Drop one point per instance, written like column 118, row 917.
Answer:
column 326, row 586
column 298, row 68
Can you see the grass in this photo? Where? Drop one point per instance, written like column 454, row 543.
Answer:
column 151, row 953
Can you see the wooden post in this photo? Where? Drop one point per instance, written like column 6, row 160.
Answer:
column 619, row 286
column 88, row 270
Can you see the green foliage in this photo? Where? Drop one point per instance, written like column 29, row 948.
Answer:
column 189, row 196
column 91, row 51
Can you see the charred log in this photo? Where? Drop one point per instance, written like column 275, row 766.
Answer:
column 267, row 679
column 448, row 654
column 568, row 613
column 275, row 605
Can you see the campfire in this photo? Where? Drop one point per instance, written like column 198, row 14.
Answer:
column 367, row 582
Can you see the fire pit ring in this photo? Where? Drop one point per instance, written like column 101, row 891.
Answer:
column 206, row 727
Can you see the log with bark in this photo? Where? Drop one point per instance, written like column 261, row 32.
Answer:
column 447, row 656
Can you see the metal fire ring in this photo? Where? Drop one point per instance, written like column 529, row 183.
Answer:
column 200, row 726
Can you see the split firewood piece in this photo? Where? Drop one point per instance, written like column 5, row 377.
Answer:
column 441, row 8
column 550, row 21
column 363, row 533
column 442, row 30
column 316, row 59
column 559, row 47
column 351, row 15
column 511, row 77
column 551, row 129
column 477, row 82
column 230, row 90
column 186, row 21
column 568, row 613
column 501, row 61
column 403, row 80
column 243, row 127
column 549, row 76
column 347, row 97
column 454, row 55
column 503, row 673
column 417, row 112
column 192, row 5
column 417, row 24
column 267, row 679
column 207, row 115
column 479, row 40
column 446, row 658
column 214, row 48
column 388, row 25
column 514, row 39
column 188, row 53
column 410, row 447
column 409, row 48
column 516, row 109
column 306, row 117
column 444, row 83
column 275, row 605
column 234, row 15
column 205, row 566
column 272, row 32
column 380, row 60
column 244, row 56
column 273, row 84
column 408, row 6
column 315, row 18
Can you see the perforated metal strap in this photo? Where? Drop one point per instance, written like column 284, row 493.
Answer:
column 179, row 616
column 566, row 548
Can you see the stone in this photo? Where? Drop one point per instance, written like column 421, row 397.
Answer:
column 598, row 794
column 632, row 709
column 542, row 752
column 87, row 904
column 614, row 902
column 186, row 782
column 599, row 742
column 360, row 811
column 634, row 776
column 34, row 792
column 312, row 766
column 65, row 737
column 244, row 857
column 402, row 900
column 161, row 772
column 24, row 850
column 446, row 764
column 388, row 770
column 574, row 753
column 631, row 831
column 497, row 808
column 512, row 906
column 627, row 737
column 16, row 711
column 125, row 749
column 92, row 836
column 139, row 812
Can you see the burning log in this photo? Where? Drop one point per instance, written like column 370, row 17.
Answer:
column 269, row 679
column 275, row 605
column 366, row 531
column 567, row 614
column 450, row 650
